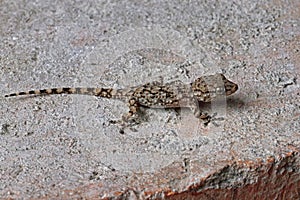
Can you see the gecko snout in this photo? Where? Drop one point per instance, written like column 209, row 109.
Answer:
column 230, row 88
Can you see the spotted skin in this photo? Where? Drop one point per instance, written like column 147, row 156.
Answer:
column 156, row 94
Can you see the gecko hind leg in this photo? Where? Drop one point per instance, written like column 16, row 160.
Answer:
column 124, row 124
column 133, row 109
column 129, row 119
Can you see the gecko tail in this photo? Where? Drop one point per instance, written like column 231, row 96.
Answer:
column 102, row 92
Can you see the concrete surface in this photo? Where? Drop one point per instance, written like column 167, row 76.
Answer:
column 63, row 146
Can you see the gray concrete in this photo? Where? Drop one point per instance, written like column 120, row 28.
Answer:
column 63, row 146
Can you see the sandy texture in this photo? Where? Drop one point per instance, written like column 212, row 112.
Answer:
column 64, row 146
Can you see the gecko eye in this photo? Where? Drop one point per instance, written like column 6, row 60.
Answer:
column 200, row 84
column 203, row 89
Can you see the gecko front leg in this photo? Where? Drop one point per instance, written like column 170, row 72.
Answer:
column 203, row 116
column 194, row 106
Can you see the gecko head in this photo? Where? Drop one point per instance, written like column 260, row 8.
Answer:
column 207, row 88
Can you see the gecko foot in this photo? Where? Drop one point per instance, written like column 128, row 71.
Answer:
column 210, row 119
column 124, row 125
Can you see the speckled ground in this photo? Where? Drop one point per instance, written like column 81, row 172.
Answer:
column 64, row 146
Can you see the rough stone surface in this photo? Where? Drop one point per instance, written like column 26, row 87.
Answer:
column 63, row 146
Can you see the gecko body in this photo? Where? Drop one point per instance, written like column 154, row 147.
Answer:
column 156, row 94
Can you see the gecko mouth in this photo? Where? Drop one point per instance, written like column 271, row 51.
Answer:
column 230, row 90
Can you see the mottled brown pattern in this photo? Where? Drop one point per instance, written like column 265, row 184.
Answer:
column 155, row 94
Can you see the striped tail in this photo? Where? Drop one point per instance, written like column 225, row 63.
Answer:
column 102, row 92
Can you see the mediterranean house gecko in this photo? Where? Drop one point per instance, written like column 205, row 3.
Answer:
column 156, row 94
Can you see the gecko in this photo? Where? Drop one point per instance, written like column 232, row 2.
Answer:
column 155, row 94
